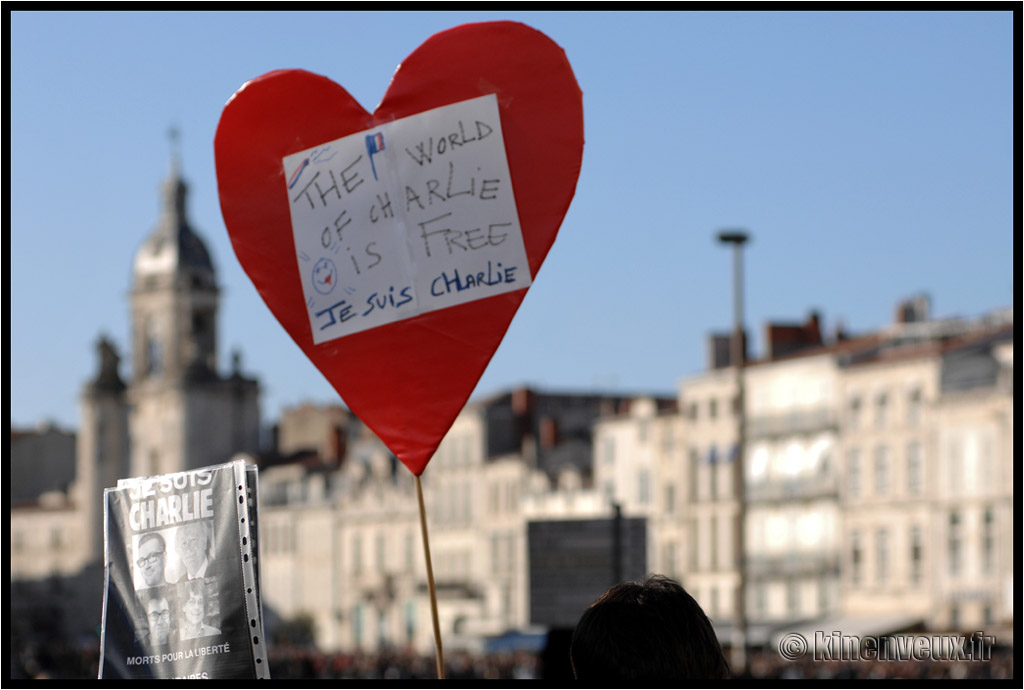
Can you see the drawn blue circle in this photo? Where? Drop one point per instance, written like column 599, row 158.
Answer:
column 325, row 276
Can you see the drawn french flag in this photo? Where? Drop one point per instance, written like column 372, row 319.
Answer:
column 374, row 144
column 297, row 173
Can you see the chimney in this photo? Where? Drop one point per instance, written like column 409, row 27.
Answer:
column 913, row 310
column 522, row 401
column 720, row 350
column 784, row 339
column 548, row 432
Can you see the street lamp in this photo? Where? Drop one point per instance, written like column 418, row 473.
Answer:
column 737, row 238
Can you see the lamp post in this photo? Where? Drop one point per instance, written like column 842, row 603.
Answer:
column 737, row 238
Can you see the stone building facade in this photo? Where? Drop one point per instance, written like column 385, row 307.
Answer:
column 879, row 478
column 342, row 546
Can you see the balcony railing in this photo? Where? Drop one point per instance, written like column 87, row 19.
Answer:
column 803, row 488
column 791, row 423
column 815, row 563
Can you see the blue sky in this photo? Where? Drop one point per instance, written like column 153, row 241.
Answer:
column 870, row 155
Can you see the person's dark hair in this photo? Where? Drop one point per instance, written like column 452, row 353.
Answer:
column 650, row 630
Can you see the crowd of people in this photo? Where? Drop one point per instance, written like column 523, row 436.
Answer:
column 636, row 633
column 67, row 661
column 769, row 664
column 402, row 665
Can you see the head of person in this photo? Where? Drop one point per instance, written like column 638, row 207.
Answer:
column 649, row 630
column 193, row 607
column 158, row 613
column 152, row 553
column 193, row 542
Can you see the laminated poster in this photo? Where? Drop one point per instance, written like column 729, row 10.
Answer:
column 181, row 584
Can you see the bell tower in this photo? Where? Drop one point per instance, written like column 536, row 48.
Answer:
column 174, row 295
column 184, row 414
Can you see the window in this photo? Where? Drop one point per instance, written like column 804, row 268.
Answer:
column 381, row 548
column 200, row 323
column 914, row 468
column 495, row 554
column 713, row 473
column 670, row 498
column 643, row 487
column 725, row 489
column 954, row 544
column 409, row 549
column 382, row 629
column 357, row 554
column 691, row 555
column 506, row 602
column 881, row 410
column 357, row 624
column 956, row 466
column 985, row 474
column 410, row 621
column 511, row 545
column 792, row 597
column 467, row 504
column 988, row 542
column 856, row 558
column 154, row 350
column 914, row 407
column 916, row 559
column 714, row 542
column 881, row 471
column 853, row 473
column 694, row 467
column 712, row 408
column 853, row 413
column 760, row 600
column 882, row 555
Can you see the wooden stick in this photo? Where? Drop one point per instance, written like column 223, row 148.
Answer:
column 430, row 581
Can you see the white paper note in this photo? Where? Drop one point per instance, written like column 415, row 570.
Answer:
column 406, row 218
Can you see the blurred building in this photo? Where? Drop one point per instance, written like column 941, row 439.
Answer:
column 879, row 477
column 343, row 545
column 878, row 487
column 878, row 496
column 175, row 412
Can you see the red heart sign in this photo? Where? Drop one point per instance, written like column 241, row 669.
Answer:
column 408, row 377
